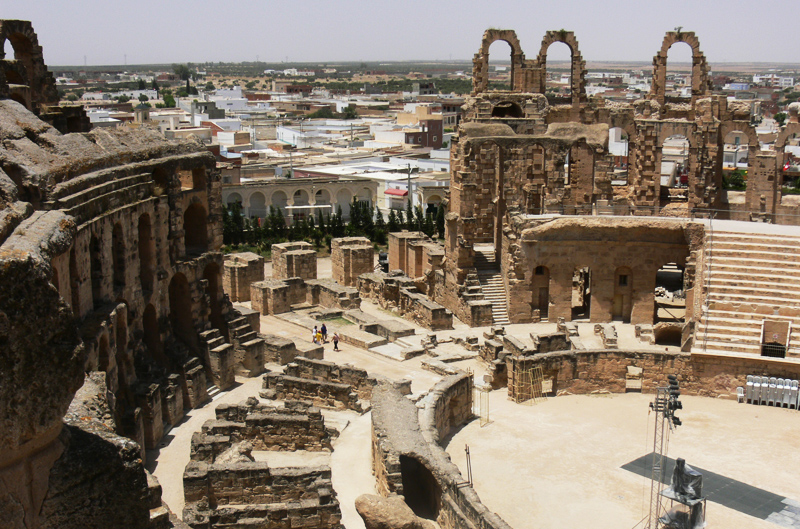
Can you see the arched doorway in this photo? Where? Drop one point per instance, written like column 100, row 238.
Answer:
column 195, row 227
column 258, row 205
column 420, row 489
column 180, row 310
column 540, row 288
column 670, row 299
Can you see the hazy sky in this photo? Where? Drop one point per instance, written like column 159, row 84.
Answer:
column 167, row 31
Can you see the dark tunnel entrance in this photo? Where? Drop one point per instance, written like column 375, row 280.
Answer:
column 421, row 491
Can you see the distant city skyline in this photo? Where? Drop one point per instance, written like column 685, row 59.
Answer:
column 151, row 32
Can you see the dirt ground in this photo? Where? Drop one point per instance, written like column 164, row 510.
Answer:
column 556, row 463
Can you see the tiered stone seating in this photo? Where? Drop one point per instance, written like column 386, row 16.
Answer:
column 752, row 277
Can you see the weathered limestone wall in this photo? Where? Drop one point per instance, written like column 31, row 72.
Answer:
column 351, row 257
column 321, row 393
column 322, row 370
column 241, row 270
column 294, row 259
column 592, row 370
column 275, row 296
column 400, row 293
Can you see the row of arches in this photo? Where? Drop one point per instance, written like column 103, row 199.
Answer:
column 257, row 203
column 532, row 76
column 194, row 179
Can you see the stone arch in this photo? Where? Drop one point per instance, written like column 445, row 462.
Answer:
column 421, row 491
column 180, row 309
column 258, row 205
column 365, row 195
column 41, row 87
column 577, row 67
column 195, row 227
column 233, row 198
column 507, row 109
column 300, row 198
column 212, row 275
column 701, row 84
column 480, row 62
column 322, row 197
column 147, row 265
column 96, row 270
column 118, row 256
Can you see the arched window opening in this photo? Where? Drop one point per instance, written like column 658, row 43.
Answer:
column 8, row 50
column 118, row 256
column 74, row 283
column 581, row 293
column 195, row 227
column 507, row 109
column 618, row 151
column 501, row 66
column 540, row 287
column 147, row 267
column 420, row 489
column 365, row 195
column 180, row 310
column 558, row 85
column 161, row 181
column 670, row 299
column 96, row 271
column 674, row 163
column 233, row 198
column 678, row 81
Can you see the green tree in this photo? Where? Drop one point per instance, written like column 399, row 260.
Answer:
column 250, row 85
column 419, row 219
column 409, row 214
column 142, row 85
column 123, row 99
column 182, row 71
column 780, row 117
column 143, row 98
column 169, row 100
column 429, row 227
column 210, row 86
column 401, row 223
column 350, row 112
column 393, row 226
column 71, row 97
column 380, row 227
column 154, row 84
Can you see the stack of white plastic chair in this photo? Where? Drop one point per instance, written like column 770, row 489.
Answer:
column 779, row 387
column 756, row 390
column 773, row 385
column 749, row 388
column 787, row 392
column 793, row 394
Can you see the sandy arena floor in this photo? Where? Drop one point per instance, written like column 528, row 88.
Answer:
column 557, row 463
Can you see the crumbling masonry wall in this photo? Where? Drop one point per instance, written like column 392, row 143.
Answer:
column 351, row 257
column 241, row 270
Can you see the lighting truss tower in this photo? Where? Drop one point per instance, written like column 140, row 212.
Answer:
column 664, row 405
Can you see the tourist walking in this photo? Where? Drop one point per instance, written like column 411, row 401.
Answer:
column 314, row 334
column 324, row 331
column 335, row 341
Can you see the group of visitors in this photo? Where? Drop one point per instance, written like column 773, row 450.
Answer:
column 320, row 336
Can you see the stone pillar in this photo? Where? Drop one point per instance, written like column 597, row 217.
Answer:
column 294, row 259
column 351, row 257
column 239, row 272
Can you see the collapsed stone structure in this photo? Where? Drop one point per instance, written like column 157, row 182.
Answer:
column 225, row 485
column 109, row 264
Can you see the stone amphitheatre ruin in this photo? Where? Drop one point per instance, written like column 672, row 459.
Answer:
column 116, row 313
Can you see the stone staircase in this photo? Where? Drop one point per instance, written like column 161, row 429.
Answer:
column 249, row 347
column 219, row 357
column 752, row 277
column 491, row 282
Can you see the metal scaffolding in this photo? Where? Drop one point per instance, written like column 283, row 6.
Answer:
column 528, row 385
